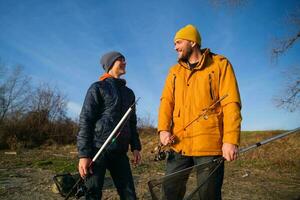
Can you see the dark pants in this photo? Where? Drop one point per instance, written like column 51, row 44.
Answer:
column 119, row 167
column 211, row 183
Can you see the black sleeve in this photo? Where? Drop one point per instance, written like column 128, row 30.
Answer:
column 88, row 117
column 135, row 142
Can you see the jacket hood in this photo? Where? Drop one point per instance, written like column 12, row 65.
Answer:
column 200, row 64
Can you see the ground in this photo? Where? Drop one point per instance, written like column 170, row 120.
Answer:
column 271, row 171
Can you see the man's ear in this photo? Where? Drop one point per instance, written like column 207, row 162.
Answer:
column 193, row 44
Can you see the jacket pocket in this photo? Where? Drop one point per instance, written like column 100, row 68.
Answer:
column 208, row 126
column 174, row 83
column 177, row 125
column 207, row 143
column 176, row 113
column 211, row 86
column 207, row 136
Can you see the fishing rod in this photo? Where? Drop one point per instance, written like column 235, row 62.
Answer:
column 115, row 130
column 276, row 137
column 243, row 150
column 110, row 138
column 218, row 161
column 161, row 151
column 205, row 112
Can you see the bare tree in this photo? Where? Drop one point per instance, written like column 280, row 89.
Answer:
column 49, row 102
column 290, row 99
column 281, row 46
column 14, row 91
column 284, row 44
column 145, row 122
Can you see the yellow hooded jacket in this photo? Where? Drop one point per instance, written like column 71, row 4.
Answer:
column 188, row 92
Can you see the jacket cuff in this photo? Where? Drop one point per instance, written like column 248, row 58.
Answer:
column 162, row 129
column 82, row 156
column 232, row 137
column 138, row 149
column 85, row 154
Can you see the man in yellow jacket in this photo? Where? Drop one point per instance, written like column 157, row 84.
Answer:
column 199, row 80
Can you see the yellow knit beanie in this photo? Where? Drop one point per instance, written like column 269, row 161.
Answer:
column 189, row 32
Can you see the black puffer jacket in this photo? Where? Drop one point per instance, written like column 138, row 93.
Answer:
column 104, row 105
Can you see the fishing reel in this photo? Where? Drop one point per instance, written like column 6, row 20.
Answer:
column 161, row 152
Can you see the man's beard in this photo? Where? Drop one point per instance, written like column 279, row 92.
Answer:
column 185, row 57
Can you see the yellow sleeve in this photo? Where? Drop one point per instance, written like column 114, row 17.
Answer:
column 232, row 123
column 231, row 105
column 166, row 104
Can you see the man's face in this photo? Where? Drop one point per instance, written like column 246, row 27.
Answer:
column 119, row 66
column 183, row 48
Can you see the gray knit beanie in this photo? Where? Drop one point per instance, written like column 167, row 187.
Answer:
column 108, row 59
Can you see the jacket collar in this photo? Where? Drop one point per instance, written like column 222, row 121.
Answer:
column 201, row 62
column 107, row 76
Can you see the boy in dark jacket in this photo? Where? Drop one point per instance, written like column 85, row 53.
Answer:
column 105, row 103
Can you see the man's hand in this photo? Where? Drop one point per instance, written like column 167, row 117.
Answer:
column 84, row 167
column 230, row 151
column 136, row 157
column 166, row 137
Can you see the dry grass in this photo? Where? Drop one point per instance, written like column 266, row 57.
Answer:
column 271, row 171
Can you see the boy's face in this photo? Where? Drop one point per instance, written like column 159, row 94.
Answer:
column 119, row 66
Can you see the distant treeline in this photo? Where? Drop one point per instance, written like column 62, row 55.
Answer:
column 34, row 116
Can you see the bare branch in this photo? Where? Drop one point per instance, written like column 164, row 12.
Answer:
column 49, row 101
column 15, row 91
column 290, row 100
column 281, row 46
column 145, row 122
column 284, row 45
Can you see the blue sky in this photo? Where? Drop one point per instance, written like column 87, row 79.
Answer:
column 61, row 41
